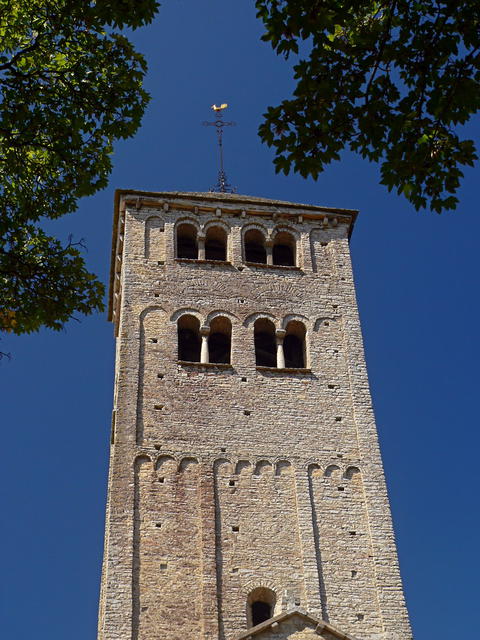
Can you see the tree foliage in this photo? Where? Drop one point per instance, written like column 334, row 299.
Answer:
column 392, row 80
column 71, row 84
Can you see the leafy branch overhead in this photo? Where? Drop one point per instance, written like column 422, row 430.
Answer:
column 394, row 81
column 71, row 84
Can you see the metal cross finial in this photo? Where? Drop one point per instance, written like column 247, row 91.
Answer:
column 222, row 184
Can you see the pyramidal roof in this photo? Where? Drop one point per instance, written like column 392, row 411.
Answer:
column 227, row 197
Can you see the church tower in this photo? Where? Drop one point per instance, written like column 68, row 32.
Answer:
column 246, row 493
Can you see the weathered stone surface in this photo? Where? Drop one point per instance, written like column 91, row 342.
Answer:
column 225, row 478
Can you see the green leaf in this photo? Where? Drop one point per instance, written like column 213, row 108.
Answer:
column 71, row 86
column 387, row 80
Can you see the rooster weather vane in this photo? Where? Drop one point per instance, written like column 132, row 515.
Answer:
column 222, row 185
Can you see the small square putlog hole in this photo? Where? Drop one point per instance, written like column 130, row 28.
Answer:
column 235, row 528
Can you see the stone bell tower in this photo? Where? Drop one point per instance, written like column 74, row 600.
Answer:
column 246, row 491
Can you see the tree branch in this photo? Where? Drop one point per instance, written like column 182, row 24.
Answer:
column 385, row 38
column 19, row 54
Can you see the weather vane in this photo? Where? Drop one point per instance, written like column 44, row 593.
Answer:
column 222, row 183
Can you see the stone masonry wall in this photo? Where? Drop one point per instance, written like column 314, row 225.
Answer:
column 225, row 479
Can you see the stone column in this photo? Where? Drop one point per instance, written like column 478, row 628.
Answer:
column 280, row 335
column 201, row 247
column 269, row 250
column 204, row 356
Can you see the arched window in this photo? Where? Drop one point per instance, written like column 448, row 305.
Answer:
column 265, row 343
column 189, row 341
column 254, row 244
column 219, row 340
column 284, row 249
column 260, row 606
column 187, row 245
column 216, row 244
column 294, row 345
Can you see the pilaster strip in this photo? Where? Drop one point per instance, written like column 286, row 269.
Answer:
column 208, row 554
column 312, row 578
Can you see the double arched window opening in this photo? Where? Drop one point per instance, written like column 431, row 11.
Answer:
column 191, row 245
column 281, row 252
column 279, row 348
column 204, row 344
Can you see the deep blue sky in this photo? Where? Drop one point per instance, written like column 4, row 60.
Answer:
column 416, row 277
